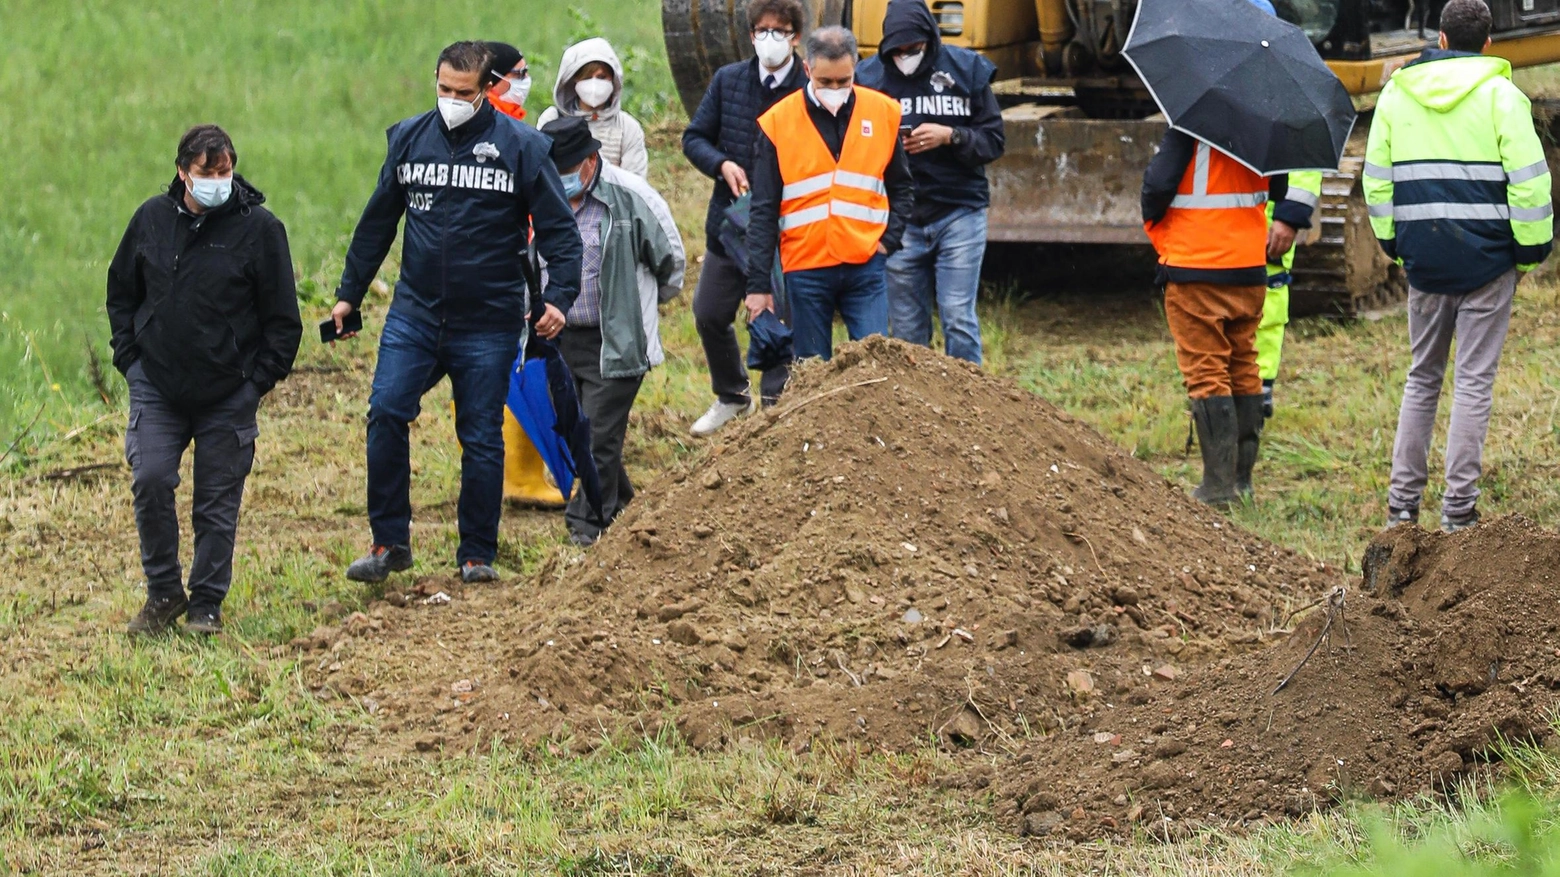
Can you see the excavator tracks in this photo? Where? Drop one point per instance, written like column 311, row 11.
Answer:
column 1343, row 271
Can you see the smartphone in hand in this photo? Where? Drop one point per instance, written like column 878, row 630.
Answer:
column 904, row 132
column 353, row 322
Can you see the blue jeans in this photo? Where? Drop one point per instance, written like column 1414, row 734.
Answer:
column 858, row 292
column 413, row 356
column 940, row 263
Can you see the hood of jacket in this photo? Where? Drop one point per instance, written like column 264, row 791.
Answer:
column 244, row 195
column 907, row 22
column 1439, row 79
column 575, row 58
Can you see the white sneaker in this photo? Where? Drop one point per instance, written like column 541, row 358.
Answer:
column 720, row 414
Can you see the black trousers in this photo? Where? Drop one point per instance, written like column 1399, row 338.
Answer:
column 719, row 295
column 224, row 435
column 607, row 402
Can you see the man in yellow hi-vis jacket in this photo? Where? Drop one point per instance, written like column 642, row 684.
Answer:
column 1286, row 218
column 1458, row 192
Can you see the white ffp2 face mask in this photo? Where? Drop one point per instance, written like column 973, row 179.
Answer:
column 772, row 53
column 457, row 112
column 519, row 90
column 593, row 93
column 832, row 98
column 908, row 64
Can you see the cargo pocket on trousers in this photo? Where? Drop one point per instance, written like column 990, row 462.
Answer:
column 132, row 438
column 244, row 459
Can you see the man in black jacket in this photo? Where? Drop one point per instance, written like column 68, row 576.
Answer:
column 472, row 183
column 205, row 322
column 955, row 130
column 721, row 142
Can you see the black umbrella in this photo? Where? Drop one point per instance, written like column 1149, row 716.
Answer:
column 1242, row 81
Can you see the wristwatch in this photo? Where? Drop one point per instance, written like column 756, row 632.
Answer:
column 958, row 137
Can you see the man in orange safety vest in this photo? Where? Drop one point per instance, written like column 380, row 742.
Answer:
column 1206, row 214
column 832, row 189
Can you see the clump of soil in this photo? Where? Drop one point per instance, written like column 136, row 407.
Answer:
column 1448, row 645
column 905, row 549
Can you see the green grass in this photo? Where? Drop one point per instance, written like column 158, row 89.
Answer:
column 98, row 93
column 214, row 758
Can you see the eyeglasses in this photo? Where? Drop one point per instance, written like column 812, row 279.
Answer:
column 773, row 33
column 520, row 73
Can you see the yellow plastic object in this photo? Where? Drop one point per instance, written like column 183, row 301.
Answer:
column 1524, row 50
column 525, row 475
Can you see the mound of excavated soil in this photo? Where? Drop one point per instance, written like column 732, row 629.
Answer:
column 1449, row 645
column 906, row 547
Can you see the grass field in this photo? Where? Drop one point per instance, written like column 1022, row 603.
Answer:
column 98, row 93
column 213, row 758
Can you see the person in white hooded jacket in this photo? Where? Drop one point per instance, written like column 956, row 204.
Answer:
column 590, row 85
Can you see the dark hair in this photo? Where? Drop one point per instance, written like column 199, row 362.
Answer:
column 468, row 56
column 787, row 10
column 207, row 142
column 831, row 44
column 1466, row 24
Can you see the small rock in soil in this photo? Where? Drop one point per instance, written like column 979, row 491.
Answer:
column 682, row 632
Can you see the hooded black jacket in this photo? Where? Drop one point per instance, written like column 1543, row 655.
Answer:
column 470, row 197
column 952, row 86
column 204, row 302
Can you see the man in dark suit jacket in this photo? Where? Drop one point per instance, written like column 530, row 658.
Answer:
column 720, row 141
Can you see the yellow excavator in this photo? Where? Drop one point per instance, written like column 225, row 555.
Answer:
column 1081, row 127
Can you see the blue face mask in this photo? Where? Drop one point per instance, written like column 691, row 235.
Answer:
column 210, row 192
column 572, row 185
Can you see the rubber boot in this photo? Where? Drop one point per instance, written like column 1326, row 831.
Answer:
column 1249, row 418
column 525, row 475
column 1216, row 435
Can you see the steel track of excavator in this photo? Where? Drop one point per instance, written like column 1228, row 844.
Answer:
column 1342, row 271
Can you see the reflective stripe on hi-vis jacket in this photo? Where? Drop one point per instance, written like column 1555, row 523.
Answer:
column 832, row 213
column 1218, row 218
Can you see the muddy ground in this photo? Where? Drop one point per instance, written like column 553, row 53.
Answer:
column 910, row 551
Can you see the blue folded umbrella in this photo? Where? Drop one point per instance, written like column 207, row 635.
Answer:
column 769, row 343
column 543, row 398
column 531, row 403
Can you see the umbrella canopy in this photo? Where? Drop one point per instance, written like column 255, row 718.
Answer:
column 1242, row 81
column 769, row 343
column 733, row 236
column 544, row 400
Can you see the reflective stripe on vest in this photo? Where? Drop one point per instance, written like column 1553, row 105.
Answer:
column 1458, row 172
column 1199, row 199
column 1217, row 220
column 1301, row 196
column 1488, row 172
column 832, row 212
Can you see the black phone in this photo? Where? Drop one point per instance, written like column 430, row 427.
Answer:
column 353, row 322
column 904, row 131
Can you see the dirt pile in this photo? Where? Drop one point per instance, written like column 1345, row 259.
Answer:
column 1448, row 645
column 906, row 547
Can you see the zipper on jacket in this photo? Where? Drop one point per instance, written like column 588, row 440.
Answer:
column 444, row 244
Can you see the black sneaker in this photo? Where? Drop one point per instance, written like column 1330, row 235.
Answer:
column 204, row 620
column 158, row 615
column 379, row 563
column 1399, row 517
column 475, row 572
column 1453, row 523
column 582, row 540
